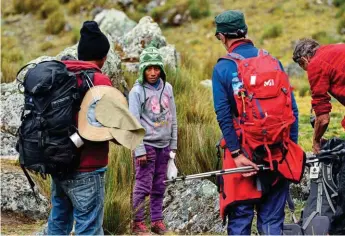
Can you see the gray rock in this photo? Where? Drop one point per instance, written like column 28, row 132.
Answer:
column 114, row 22
column 17, row 196
column 8, row 144
column 11, row 109
column 170, row 56
column 140, row 36
column 193, row 208
column 153, row 4
column 294, row 70
column 111, row 67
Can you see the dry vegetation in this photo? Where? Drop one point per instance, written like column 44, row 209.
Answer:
column 273, row 25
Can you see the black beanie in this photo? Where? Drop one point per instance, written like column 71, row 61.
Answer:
column 93, row 44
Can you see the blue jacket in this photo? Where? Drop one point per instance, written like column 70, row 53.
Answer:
column 224, row 101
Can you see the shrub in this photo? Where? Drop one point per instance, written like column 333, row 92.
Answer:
column 48, row 8
column 46, row 46
column 272, row 31
column 199, row 8
column 341, row 25
column 55, row 22
column 338, row 3
column 75, row 35
column 26, row 6
column 323, row 38
column 76, row 6
column 304, row 90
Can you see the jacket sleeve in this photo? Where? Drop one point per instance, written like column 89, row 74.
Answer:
column 135, row 109
column 173, row 142
column 222, row 94
column 318, row 76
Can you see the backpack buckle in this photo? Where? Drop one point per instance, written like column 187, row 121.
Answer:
column 285, row 90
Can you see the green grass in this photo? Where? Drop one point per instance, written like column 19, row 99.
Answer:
column 198, row 129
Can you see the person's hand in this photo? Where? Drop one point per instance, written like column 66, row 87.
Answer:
column 316, row 147
column 142, row 160
column 241, row 161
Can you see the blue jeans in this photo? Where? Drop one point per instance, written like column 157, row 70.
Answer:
column 270, row 214
column 79, row 197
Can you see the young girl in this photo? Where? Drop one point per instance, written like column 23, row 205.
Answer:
column 151, row 101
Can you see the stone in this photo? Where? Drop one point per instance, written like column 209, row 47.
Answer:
column 114, row 22
column 17, row 196
column 111, row 67
column 8, row 146
column 170, row 56
column 11, row 110
column 192, row 207
column 140, row 36
column 133, row 43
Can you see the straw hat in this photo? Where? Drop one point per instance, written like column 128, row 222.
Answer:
column 104, row 115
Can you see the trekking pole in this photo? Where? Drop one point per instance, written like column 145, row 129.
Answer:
column 217, row 173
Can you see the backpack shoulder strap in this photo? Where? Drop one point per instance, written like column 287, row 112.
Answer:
column 263, row 52
column 235, row 57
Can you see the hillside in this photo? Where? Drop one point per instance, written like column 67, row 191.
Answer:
column 32, row 28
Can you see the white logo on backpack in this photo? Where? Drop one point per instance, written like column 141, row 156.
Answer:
column 269, row 82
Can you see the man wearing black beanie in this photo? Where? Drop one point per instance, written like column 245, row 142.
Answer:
column 93, row 44
column 80, row 196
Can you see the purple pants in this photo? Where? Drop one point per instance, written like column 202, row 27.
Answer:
column 149, row 182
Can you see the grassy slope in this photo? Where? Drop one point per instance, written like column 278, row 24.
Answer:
column 198, row 129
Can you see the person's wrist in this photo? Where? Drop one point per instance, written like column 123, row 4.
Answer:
column 236, row 153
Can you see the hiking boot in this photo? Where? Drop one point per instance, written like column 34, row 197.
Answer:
column 139, row 228
column 158, row 227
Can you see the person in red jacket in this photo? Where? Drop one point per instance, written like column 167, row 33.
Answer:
column 326, row 74
column 80, row 196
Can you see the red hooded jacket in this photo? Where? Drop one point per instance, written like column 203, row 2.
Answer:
column 326, row 74
column 94, row 155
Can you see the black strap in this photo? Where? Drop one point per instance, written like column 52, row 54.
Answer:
column 31, row 182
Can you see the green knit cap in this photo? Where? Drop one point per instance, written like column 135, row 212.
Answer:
column 150, row 56
column 230, row 21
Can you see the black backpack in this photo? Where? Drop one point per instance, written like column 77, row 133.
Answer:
column 52, row 100
column 324, row 209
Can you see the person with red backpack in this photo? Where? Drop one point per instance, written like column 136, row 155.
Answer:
column 258, row 116
column 325, row 67
column 80, row 196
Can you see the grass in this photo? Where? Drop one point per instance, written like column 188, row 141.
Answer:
column 198, row 129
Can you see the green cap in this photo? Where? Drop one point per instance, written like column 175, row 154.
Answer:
column 150, row 56
column 230, row 21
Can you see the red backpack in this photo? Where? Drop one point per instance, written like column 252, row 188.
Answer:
column 264, row 120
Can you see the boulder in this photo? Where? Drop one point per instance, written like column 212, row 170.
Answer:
column 8, row 144
column 11, row 110
column 133, row 43
column 114, row 22
column 192, row 207
column 140, row 36
column 17, row 196
column 111, row 67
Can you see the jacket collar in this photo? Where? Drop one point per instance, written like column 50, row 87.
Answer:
column 239, row 43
